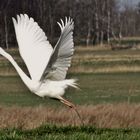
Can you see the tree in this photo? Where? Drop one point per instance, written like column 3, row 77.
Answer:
column 96, row 21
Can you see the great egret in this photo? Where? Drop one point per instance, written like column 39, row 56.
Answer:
column 47, row 66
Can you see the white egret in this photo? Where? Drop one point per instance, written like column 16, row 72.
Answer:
column 47, row 66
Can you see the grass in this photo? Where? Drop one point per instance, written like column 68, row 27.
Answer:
column 87, row 60
column 127, row 41
column 121, row 115
column 108, row 100
column 70, row 133
column 106, row 61
column 95, row 89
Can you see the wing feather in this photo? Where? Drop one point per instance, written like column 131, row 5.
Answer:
column 60, row 59
column 34, row 47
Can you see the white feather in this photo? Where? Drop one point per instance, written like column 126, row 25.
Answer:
column 37, row 53
column 33, row 45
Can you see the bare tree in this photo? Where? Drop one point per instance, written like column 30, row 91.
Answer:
column 108, row 21
column 96, row 21
column 6, row 23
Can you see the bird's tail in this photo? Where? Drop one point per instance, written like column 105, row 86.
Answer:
column 72, row 83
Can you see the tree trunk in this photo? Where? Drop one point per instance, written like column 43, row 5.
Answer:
column 6, row 32
column 96, row 40
column 96, row 28
column 108, row 22
column 88, row 34
column 102, row 38
column 102, row 22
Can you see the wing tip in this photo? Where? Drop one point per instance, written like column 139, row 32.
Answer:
column 68, row 21
column 20, row 17
column 14, row 21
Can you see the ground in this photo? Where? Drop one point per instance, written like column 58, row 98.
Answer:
column 108, row 99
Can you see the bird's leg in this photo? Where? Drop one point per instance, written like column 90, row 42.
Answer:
column 71, row 105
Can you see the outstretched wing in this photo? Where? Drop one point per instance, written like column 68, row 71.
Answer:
column 33, row 45
column 60, row 59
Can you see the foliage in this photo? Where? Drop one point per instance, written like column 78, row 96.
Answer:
column 105, row 76
column 118, row 87
column 95, row 21
column 51, row 132
column 95, row 88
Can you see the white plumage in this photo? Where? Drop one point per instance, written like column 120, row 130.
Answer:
column 33, row 45
column 47, row 66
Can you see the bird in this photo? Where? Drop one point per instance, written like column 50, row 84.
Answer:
column 47, row 65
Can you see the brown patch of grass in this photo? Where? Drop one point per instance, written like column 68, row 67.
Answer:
column 93, row 48
column 113, row 69
column 105, row 116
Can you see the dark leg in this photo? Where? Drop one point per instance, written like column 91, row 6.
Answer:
column 71, row 105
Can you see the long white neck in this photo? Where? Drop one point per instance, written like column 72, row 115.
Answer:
column 24, row 77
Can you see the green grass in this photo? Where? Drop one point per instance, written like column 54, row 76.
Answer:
column 127, row 41
column 88, row 61
column 95, row 89
column 107, row 58
column 97, row 86
column 50, row 132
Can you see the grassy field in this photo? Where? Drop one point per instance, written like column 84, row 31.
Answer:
column 95, row 89
column 109, row 97
column 89, row 60
column 70, row 133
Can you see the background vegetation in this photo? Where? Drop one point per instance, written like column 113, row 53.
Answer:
column 96, row 22
column 107, row 73
column 109, row 98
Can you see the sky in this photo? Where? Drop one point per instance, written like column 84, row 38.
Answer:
column 134, row 2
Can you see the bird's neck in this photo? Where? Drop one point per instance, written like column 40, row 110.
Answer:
column 24, row 77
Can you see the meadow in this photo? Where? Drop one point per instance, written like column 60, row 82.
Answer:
column 70, row 133
column 94, row 89
column 108, row 99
